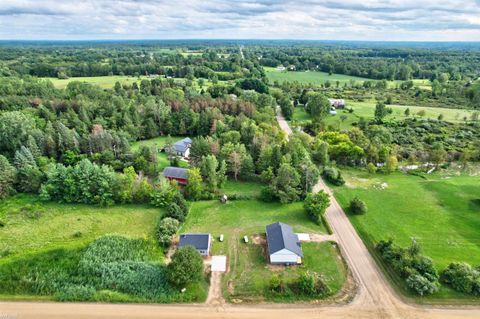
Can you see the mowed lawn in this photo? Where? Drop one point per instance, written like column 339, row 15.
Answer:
column 441, row 212
column 249, row 273
column 32, row 226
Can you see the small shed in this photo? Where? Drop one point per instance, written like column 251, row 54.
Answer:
column 201, row 242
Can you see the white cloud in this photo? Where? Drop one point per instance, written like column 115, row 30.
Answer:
column 269, row 19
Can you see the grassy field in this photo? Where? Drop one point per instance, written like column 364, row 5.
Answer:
column 367, row 109
column 105, row 82
column 441, row 212
column 32, row 225
column 313, row 77
column 318, row 78
column 249, row 273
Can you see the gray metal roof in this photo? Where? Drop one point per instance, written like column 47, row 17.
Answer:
column 281, row 236
column 199, row 241
column 175, row 172
column 182, row 145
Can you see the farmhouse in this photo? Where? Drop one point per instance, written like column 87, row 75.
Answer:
column 201, row 242
column 283, row 245
column 182, row 147
column 337, row 103
column 176, row 173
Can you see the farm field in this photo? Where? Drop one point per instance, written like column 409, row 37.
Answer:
column 313, row 77
column 367, row 109
column 441, row 212
column 318, row 78
column 249, row 273
column 105, row 82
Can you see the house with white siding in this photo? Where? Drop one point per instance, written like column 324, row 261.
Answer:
column 284, row 247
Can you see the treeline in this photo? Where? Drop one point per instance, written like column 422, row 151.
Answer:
column 374, row 62
column 95, row 60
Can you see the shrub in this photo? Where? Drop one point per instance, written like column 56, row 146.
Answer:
column 186, row 267
column 306, row 284
column 276, row 284
column 462, row 277
column 316, row 204
column 357, row 206
column 421, row 285
column 418, row 271
column 75, row 293
column 333, row 175
column 371, row 168
column 166, row 228
column 176, row 212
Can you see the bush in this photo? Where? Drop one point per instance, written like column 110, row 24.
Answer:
column 166, row 228
column 371, row 168
column 333, row 175
column 418, row 271
column 312, row 284
column 462, row 277
column 176, row 212
column 357, row 206
column 186, row 267
column 75, row 293
column 276, row 284
column 316, row 204
column 421, row 285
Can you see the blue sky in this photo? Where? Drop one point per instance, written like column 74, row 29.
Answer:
column 396, row 20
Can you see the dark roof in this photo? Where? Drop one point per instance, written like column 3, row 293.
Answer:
column 199, row 241
column 281, row 236
column 175, row 172
column 182, row 145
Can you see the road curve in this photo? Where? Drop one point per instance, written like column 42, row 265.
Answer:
column 375, row 298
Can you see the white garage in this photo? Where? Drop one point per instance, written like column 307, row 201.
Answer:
column 283, row 245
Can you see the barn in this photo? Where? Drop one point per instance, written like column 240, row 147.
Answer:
column 176, row 173
column 284, row 247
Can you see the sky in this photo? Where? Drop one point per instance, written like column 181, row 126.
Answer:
column 388, row 20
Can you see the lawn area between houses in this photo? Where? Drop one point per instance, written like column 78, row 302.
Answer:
column 249, row 272
column 42, row 245
column 442, row 212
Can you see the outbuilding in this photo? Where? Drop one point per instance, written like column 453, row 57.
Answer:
column 201, row 242
column 284, row 247
column 176, row 173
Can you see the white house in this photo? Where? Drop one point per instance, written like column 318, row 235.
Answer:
column 284, row 247
column 201, row 242
column 182, row 147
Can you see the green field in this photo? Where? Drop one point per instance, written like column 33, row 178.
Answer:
column 367, row 109
column 317, row 78
column 442, row 212
column 32, row 225
column 313, row 77
column 249, row 273
column 105, row 82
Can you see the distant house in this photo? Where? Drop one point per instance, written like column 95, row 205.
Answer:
column 201, row 242
column 176, row 173
column 182, row 147
column 337, row 103
column 281, row 68
column 283, row 245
